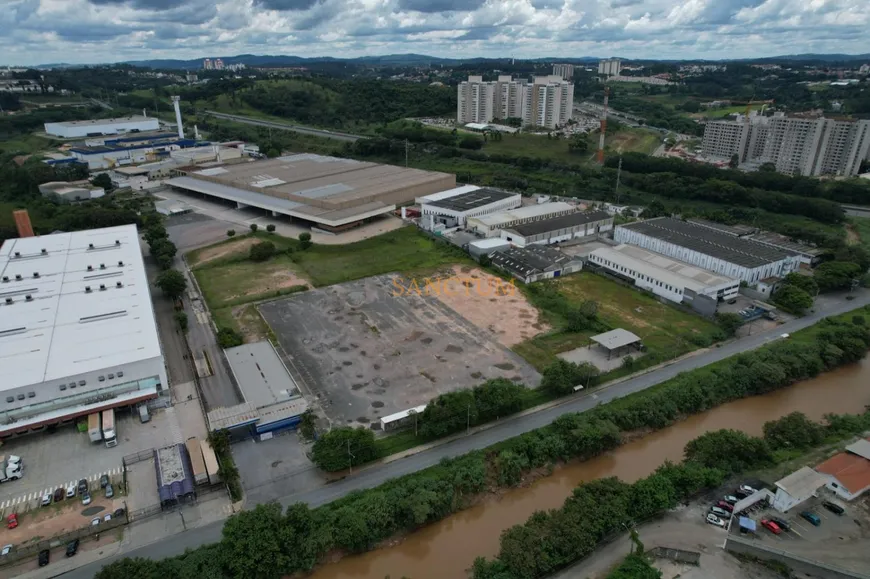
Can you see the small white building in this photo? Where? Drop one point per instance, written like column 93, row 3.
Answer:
column 797, row 487
column 454, row 207
column 576, row 225
column 663, row 276
column 491, row 225
column 71, row 192
column 487, row 246
column 77, row 129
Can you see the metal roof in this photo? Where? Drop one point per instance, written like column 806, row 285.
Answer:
column 614, row 339
column 662, row 268
column 472, row 199
column 562, row 222
column 527, row 212
column 101, row 122
column 530, row 260
column 708, row 241
column 260, row 373
column 174, row 473
column 802, row 483
column 861, row 448
column 735, row 230
column 64, row 330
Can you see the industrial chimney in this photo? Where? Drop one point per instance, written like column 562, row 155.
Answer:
column 175, row 104
column 22, row 223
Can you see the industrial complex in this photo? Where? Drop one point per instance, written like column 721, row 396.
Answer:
column 79, row 129
column 454, row 207
column 78, row 333
column 331, row 193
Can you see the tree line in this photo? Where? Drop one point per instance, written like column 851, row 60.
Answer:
column 267, row 542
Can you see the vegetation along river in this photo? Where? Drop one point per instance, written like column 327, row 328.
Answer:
column 448, row 548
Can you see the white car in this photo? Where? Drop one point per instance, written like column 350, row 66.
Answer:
column 71, row 491
column 720, row 512
column 714, row 520
column 107, row 517
column 731, row 499
column 95, row 522
column 46, row 499
column 748, row 489
column 5, row 551
column 86, row 499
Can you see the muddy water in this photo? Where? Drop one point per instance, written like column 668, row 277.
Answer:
column 448, row 548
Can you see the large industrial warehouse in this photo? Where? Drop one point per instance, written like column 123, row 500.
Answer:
column 78, row 332
column 78, row 129
column 559, row 229
column 332, row 193
column 709, row 249
column 491, row 225
column 455, row 207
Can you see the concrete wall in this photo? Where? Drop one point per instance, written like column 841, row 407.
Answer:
column 795, row 562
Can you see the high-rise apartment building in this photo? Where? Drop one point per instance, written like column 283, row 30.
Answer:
column 795, row 145
column 207, row 64
column 218, row 64
column 547, row 101
column 566, row 71
column 609, row 66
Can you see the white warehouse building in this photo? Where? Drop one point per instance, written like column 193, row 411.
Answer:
column 77, row 331
column 76, row 129
column 454, row 207
column 576, row 225
column 730, row 256
column 491, row 225
column 665, row 277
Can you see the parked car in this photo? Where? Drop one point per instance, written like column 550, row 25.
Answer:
column 714, row 520
column 740, row 494
column 6, row 550
column 110, row 492
column 724, row 505
column 44, row 557
column 720, row 512
column 12, row 521
column 95, row 522
column 731, row 499
column 118, row 513
column 104, row 480
column 86, row 498
column 781, row 523
column 72, row 547
column 834, row 507
column 143, row 414
column 748, row 489
column 46, row 499
column 811, row 517
column 771, row 526
column 83, row 486
column 71, row 491
column 59, row 494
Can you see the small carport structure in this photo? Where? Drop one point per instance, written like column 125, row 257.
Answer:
column 617, row 342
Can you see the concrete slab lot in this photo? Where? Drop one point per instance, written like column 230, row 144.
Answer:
column 366, row 352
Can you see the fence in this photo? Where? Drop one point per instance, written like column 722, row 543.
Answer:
column 137, row 457
column 678, row 555
column 795, row 562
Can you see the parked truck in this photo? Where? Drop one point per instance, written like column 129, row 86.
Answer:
column 211, row 463
column 12, row 468
column 109, row 428
column 94, row 427
column 194, row 449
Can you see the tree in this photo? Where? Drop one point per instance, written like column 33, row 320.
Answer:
column 270, row 228
column 308, row 425
column 305, row 240
column 343, row 447
column 127, row 568
column 254, row 228
column 229, row 338
column 164, row 247
column 155, row 233
column 635, row 567
column 836, row 275
column 729, row 323
column 231, row 232
column 803, row 282
column 103, row 181
column 583, row 317
column 728, row 450
column 497, row 398
column 655, row 209
column 181, row 320
column 172, row 282
column 794, row 430
column 691, row 106
column 562, row 377
column 448, row 413
column 792, row 299
column 578, row 144
column 767, row 168
column 735, row 161
column 262, row 251
column 485, row 261
column 257, row 543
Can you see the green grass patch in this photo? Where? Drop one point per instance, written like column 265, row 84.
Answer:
column 26, row 144
column 246, row 281
column 861, row 227
column 725, row 111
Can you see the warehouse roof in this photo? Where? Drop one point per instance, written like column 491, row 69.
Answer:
column 63, row 329
column 784, row 243
column 472, row 199
column 527, row 212
column 851, row 470
column 662, row 268
column 708, row 241
column 562, row 222
column 802, row 483
column 530, row 260
column 261, row 375
column 618, row 338
column 735, row 230
column 98, row 122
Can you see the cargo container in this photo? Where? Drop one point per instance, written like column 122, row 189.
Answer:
column 194, row 449
column 211, row 463
column 94, row 427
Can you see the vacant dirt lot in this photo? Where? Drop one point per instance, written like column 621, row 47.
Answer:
column 218, row 251
column 491, row 304
column 46, row 522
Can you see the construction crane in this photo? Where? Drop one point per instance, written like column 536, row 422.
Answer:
column 603, row 127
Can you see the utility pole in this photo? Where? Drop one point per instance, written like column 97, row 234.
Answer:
column 618, row 174
column 406, row 152
column 349, row 458
column 468, row 420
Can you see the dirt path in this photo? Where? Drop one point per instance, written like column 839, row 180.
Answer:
column 491, row 304
column 852, row 237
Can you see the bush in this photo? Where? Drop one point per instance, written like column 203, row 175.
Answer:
column 305, row 241
column 792, row 299
column 254, row 228
column 344, row 447
column 262, row 251
column 562, row 377
column 793, row 431
column 231, row 232
column 229, row 338
column 270, row 228
column 729, row 323
column 730, row 451
column 181, row 320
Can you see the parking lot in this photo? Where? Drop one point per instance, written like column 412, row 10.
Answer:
column 52, row 460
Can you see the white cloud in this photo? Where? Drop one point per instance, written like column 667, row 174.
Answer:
column 95, row 31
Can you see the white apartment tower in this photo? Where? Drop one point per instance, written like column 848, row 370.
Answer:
column 609, row 66
column 508, row 95
column 566, row 71
column 546, row 102
column 475, row 101
column 549, row 101
column 795, row 145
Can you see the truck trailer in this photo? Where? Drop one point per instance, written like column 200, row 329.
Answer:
column 194, row 449
column 12, row 468
column 94, row 431
column 211, row 463
column 109, row 434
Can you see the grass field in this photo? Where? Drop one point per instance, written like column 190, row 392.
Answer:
column 666, row 331
column 725, row 111
column 25, row 144
column 527, row 145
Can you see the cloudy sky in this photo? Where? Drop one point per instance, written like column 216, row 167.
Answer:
column 95, row 31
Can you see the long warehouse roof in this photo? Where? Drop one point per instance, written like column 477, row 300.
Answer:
column 62, row 329
column 561, row 222
column 708, row 241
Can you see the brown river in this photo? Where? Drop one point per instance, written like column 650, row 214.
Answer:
column 448, row 548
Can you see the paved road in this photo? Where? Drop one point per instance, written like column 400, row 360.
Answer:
column 375, row 475
column 287, row 127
